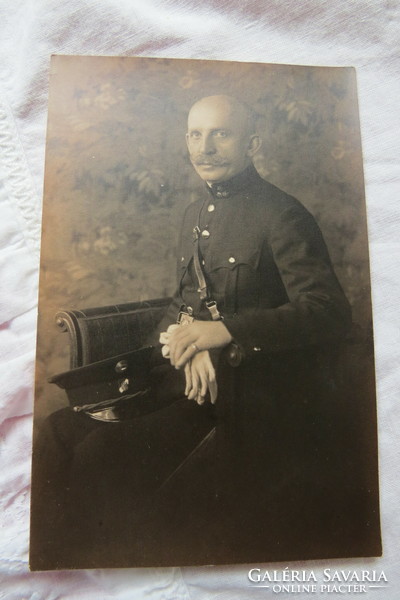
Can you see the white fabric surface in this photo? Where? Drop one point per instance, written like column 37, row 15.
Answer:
column 361, row 33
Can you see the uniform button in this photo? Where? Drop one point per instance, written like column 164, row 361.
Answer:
column 205, row 234
column 234, row 355
column 232, row 259
column 225, row 194
column 203, row 262
column 211, row 208
column 121, row 366
column 190, row 310
column 257, row 349
column 182, row 259
column 219, row 194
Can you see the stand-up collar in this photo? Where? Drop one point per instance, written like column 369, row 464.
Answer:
column 242, row 181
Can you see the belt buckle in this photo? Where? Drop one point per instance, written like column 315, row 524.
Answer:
column 184, row 318
column 213, row 309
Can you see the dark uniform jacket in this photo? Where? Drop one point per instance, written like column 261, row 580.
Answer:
column 267, row 267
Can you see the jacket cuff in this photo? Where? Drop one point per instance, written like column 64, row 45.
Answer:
column 238, row 349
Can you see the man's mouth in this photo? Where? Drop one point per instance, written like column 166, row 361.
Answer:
column 210, row 163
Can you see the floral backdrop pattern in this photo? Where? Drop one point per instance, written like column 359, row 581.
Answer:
column 118, row 178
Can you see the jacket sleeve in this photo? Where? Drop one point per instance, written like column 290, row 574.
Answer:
column 317, row 311
column 171, row 313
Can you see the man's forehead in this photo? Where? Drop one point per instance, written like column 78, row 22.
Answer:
column 216, row 112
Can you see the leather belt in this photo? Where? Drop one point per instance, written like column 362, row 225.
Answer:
column 203, row 288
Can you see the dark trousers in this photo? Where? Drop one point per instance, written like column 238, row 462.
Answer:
column 278, row 481
column 111, row 494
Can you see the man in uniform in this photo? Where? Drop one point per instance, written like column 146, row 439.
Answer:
column 266, row 264
column 270, row 298
column 256, row 285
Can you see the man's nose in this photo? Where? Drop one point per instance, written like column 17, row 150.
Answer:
column 208, row 145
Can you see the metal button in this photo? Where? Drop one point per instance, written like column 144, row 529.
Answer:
column 234, row 355
column 219, row 194
column 257, row 349
column 121, row 366
column 205, row 234
column 203, row 262
column 232, row 259
column 123, row 386
column 211, row 208
column 190, row 310
column 225, row 194
column 182, row 259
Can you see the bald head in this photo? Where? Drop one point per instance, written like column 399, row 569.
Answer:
column 221, row 138
column 241, row 114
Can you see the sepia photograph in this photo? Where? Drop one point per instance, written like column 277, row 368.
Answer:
column 205, row 388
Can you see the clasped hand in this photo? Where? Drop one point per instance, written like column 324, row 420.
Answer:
column 200, row 378
column 187, row 346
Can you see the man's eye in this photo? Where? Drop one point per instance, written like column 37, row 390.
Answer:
column 221, row 134
column 195, row 134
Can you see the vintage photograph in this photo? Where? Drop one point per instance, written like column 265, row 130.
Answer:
column 205, row 388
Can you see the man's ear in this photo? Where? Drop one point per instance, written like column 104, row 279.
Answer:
column 254, row 144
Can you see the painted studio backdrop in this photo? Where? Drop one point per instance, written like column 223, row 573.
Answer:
column 118, row 179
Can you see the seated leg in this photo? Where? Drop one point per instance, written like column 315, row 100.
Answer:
column 94, row 481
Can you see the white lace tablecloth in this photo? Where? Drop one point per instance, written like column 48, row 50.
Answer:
column 360, row 33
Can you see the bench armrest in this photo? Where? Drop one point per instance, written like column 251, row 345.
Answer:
column 101, row 332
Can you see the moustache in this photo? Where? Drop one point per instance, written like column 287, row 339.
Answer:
column 215, row 161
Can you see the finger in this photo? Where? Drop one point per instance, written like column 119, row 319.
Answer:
column 200, row 399
column 178, row 343
column 213, row 388
column 172, row 327
column 192, row 395
column 207, row 361
column 182, row 355
column 210, row 368
column 165, row 351
column 212, row 380
column 195, row 385
column 188, row 376
column 204, row 384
